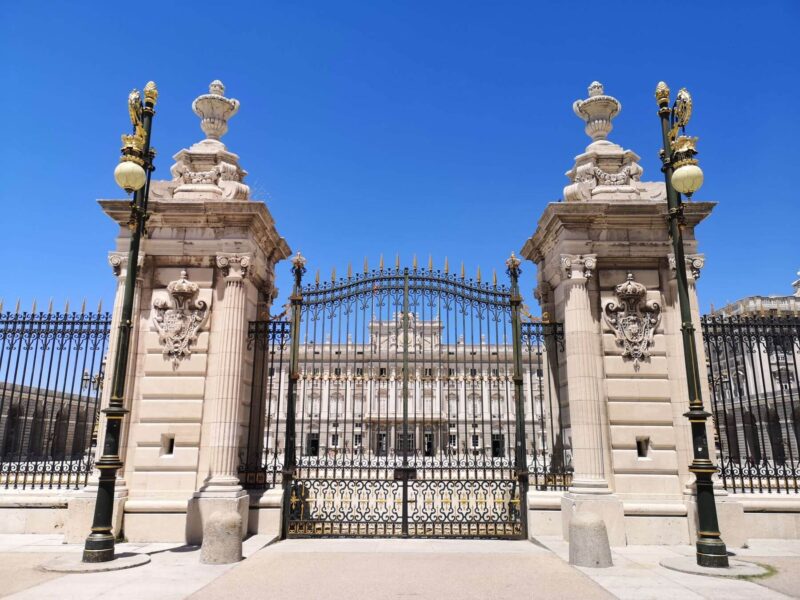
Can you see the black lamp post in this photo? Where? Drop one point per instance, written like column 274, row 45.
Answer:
column 683, row 176
column 133, row 175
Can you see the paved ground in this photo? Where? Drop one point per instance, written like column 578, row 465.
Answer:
column 403, row 569
column 391, row 569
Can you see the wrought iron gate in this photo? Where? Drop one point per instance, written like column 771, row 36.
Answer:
column 405, row 402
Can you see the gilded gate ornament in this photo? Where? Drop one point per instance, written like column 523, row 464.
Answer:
column 633, row 319
column 179, row 322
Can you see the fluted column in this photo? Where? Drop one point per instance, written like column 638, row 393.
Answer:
column 582, row 342
column 225, row 422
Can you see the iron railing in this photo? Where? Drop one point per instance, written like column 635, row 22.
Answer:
column 753, row 376
column 51, row 375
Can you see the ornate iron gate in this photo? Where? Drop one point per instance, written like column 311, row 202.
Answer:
column 405, row 412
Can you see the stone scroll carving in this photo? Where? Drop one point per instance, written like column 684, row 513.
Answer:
column 178, row 322
column 633, row 319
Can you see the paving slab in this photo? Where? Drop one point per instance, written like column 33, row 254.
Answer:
column 402, row 569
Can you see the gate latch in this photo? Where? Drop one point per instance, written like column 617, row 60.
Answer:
column 405, row 473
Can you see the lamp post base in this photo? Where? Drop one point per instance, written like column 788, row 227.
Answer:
column 712, row 554
column 99, row 547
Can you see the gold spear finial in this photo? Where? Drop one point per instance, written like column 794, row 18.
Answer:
column 462, row 270
column 414, row 262
column 494, row 277
column 333, row 274
column 380, row 263
column 430, row 262
column 316, row 277
column 1, row 305
column 446, row 266
column 366, row 266
column 349, row 270
column 479, row 274
column 397, row 261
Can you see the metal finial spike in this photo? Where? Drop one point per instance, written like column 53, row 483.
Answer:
column 83, row 306
column 446, row 266
column 66, row 306
column 414, row 262
column 1, row 305
column 316, row 277
column 430, row 262
column 17, row 309
column 333, row 274
column 33, row 307
column 100, row 306
column 397, row 260
column 479, row 274
column 494, row 277
column 462, row 270
column 49, row 306
column 366, row 266
column 380, row 263
column 349, row 270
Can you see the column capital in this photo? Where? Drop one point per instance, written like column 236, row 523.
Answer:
column 694, row 263
column 578, row 266
column 234, row 267
column 119, row 262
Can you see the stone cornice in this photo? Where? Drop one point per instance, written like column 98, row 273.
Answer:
column 253, row 216
column 562, row 219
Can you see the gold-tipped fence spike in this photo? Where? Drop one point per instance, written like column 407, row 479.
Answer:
column 349, row 270
column 463, row 275
column 17, row 309
column 397, row 261
column 366, row 266
column 33, row 306
column 100, row 306
column 316, row 277
column 430, row 262
column 414, row 262
column 494, row 277
column 83, row 306
column 1, row 305
column 446, row 266
column 479, row 275
column 49, row 306
column 380, row 263
column 333, row 274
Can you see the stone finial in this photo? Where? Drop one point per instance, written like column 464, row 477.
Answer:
column 214, row 110
column 597, row 111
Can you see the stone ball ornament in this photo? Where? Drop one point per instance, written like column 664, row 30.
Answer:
column 687, row 179
column 129, row 176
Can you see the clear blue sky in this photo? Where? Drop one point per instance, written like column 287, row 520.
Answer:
column 384, row 127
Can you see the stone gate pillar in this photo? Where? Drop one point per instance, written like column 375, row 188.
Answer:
column 603, row 260
column 210, row 269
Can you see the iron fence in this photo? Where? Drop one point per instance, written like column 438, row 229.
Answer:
column 51, row 374
column 755, row 399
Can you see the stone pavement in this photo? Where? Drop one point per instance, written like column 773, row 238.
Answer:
column 329, row 569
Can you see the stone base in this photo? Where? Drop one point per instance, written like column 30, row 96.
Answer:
column 737, row 568
column 730, row 516
column 588, row 541
column 659, row 530
column 80, row 514
column 74, row 564
column 204, row 504
column 265, row 513
column 607, row 506
column 32, row 513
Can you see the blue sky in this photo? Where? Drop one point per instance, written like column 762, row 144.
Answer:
column 436, row 128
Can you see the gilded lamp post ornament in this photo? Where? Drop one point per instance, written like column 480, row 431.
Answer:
column 633, row 319
column 179, row 322
column 687, row 177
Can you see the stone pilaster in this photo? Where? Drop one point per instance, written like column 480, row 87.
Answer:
column 581, row 335
column 225, row 422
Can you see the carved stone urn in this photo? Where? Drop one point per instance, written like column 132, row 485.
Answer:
column 214, row 110
column 597, row 110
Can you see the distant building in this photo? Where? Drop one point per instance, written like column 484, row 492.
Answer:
column 764, row 305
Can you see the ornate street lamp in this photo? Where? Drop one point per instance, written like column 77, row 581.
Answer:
column 133, row 175
column 682, row 175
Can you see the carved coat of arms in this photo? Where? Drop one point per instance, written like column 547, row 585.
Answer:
column 633, row 319
column 179, row 322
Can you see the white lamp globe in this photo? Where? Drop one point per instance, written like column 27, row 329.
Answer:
column 687, row 179
column 129, row 176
